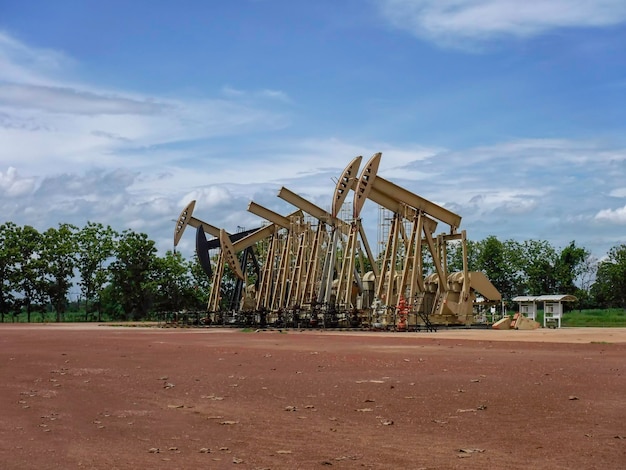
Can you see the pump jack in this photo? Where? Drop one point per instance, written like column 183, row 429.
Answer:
column 312, row 269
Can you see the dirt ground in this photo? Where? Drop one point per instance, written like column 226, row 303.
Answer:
column 102, row 397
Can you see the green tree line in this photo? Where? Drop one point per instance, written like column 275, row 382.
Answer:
column 121, row 274
column 535, row 267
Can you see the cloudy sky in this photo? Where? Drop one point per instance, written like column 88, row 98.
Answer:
column 512, row 114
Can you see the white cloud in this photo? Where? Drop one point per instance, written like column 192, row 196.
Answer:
column 12, row 185
column 519, row 206
column 457, row 21
column 208, row 197
column 20, row 63
column 327, row 157
column 498, row 199
column 70, row 101
column 618, row 192
column 39, row 139
column 275, row 95
column 236, row 93
column 614, row 216
column 230, row 91
column 52, row 123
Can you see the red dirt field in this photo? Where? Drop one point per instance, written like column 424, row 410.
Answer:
column 102, row 397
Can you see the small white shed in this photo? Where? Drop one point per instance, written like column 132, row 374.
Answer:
column 527, row 305
column 553, row 307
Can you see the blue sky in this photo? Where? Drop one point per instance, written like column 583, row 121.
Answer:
column 512, row 114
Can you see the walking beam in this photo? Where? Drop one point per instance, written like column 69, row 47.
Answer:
column 370, row 182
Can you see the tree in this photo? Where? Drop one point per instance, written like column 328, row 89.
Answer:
column 108, row 302
column 227, row 288
column 135, row 258
column 455, row 255
column 95, row 245
column 173, row 284
column 539, row 260
column 58, row 257
column 610, row 286
column 9, row 255
column 201, row 284
column 31, row 283
column 569, row 265
column 585, row 280
column 500, row 262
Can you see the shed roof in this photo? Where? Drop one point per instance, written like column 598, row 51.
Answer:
column 556, row 298
column 525, row 298
column 545, row 298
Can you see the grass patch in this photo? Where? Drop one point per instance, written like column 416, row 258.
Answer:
column 604, row 318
